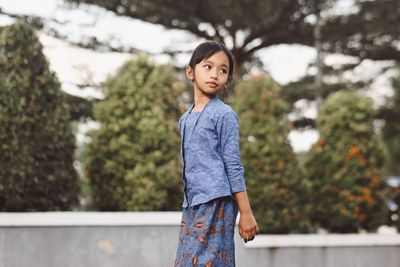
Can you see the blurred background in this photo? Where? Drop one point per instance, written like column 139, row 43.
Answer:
column 91, row 93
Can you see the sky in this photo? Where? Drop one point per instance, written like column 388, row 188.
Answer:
column 74, row 65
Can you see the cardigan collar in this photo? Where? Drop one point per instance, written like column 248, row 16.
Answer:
column 210, row 104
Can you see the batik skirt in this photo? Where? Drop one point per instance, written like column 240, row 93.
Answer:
column 207, row 234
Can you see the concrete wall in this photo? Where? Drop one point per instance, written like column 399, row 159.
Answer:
column 147, row 239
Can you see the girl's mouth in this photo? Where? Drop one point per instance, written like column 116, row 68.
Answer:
column 212, row 84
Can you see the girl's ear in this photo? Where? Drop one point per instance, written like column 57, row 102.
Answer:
column 227, row 83
column 189, row 73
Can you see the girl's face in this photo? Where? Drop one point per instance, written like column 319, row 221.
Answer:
column 210, row 76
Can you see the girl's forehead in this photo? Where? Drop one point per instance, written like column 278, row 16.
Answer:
column 219, row 58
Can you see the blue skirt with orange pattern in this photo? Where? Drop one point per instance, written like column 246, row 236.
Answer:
column 207, row 234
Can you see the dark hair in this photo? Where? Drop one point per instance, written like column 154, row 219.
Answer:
column 206, row 50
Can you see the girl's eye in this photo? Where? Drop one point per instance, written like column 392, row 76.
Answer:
column 207, row 66
column 224, row 71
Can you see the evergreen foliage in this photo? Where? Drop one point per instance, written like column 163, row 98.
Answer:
column 345, row 167
column 277, row 192
column 390, row 136
column 133, row 159
column 36, row 141
column 391, row 130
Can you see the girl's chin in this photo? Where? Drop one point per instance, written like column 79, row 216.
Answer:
column 211, row 91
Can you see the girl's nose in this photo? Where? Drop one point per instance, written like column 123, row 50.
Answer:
column 214, row 75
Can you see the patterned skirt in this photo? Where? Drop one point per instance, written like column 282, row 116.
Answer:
column 207, row 234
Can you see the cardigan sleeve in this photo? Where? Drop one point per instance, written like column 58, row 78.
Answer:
column 230, row 150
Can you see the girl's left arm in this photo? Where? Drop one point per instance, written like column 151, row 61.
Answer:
column 229, row 140
column 229, row 134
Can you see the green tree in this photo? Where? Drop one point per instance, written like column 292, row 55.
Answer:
column 391, row 130
column 368, row 30
column 80, row 108
column 345, row 166
column 371, row 31
column 133, row 159
column 277, row 192
column 249, row 25
column 306, row 89
column 36, row 142
column 390, row 137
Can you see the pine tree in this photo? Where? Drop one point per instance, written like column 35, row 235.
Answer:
column 346, row 166
column 133, row 160
column 36, row 141
column 276, row 190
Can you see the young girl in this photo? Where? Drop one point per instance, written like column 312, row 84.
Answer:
column 214, row 187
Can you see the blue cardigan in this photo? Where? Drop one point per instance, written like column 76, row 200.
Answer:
column 214, row 167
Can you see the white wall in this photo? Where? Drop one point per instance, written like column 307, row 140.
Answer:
column 147, row 239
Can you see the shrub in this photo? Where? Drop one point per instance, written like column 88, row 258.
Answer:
column 275, row 186
column 133, row 160
column 345, row 166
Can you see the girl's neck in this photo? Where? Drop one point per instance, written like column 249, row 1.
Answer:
column 200, row 101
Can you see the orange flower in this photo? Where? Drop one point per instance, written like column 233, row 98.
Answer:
column 366, row 195
column 374, row 182
column 354, row 150
column 349, row 196
column 357, row 210
column 321, row 142
column 361, row 160
column 359, row 215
